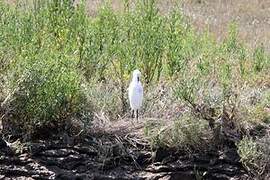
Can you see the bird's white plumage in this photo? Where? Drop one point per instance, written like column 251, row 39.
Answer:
column 135, row 91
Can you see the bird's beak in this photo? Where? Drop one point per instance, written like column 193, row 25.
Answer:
column 138, row 78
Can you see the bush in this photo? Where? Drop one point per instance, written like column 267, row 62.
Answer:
column 254, row 156
column 41, row 63
column 46, row 93
column 183, row 134
column 249, row 153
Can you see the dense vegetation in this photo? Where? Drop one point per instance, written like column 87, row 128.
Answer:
column 57, row 64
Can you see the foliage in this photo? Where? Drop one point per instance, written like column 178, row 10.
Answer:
column 48, row 48
column 249, row 152
column 184, row 134
column 42, row 75
column 106, row 99
column 254, row 155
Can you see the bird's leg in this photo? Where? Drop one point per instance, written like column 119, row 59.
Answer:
column 137, row 114
column 132, row 113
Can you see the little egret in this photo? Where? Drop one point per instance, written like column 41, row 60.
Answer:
column 135, row 93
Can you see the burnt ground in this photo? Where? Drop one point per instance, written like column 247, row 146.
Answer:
column 117, row 152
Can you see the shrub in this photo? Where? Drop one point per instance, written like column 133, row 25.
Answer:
column 45, row 93
column 249, row 153
column 259, row 57
column 41, row 63
column 254, row 155
column 183, row 134
column 178, row 41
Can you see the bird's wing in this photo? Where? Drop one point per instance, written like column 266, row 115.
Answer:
column 140, row 89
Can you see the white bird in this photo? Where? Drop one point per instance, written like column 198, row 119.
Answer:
column 135, row 93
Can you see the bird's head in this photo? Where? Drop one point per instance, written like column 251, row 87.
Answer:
column 136, row 75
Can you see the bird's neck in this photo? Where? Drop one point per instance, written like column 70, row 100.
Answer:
column 136, row 79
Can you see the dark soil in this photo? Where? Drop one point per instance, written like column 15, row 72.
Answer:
column 108, row 156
